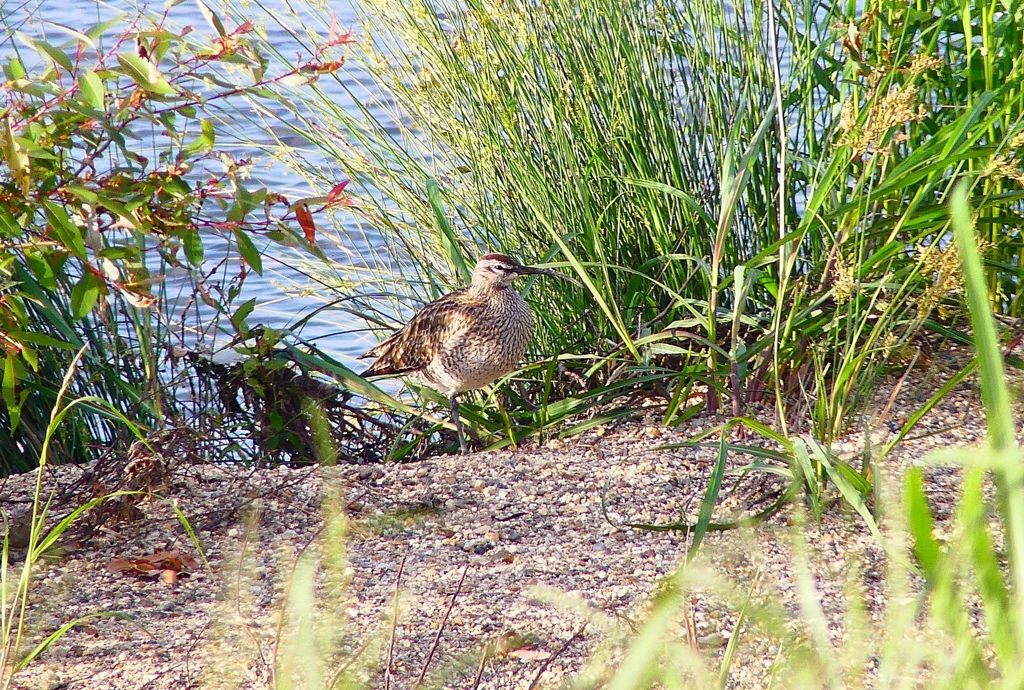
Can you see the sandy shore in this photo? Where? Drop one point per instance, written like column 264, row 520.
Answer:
column 551, row 582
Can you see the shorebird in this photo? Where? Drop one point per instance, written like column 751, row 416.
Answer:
column 467, row 338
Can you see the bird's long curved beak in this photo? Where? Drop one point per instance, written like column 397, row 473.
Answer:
column 532, row 270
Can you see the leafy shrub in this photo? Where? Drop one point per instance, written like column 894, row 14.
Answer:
column 112, row 191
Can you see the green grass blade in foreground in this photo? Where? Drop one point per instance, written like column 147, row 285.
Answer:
column 63, row 630
column 1008, row 469
column 730, row 649
column 640, row 664
column 994, row 391
column 989, row 576
column 919, row 519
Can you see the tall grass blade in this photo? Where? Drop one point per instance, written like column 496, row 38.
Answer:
column 919, row 519
column 994, row 391
column 707, row 505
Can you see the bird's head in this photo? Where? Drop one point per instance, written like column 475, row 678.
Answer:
column 495, row 270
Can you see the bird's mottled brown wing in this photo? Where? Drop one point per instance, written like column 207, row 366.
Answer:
column 413, row 347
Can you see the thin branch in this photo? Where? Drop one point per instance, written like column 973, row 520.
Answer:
column 353, row 659
column 547, row 662
column 440, row 630
column 394, row 625
column 485, row 654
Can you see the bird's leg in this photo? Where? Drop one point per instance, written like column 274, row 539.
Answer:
column 457, row 421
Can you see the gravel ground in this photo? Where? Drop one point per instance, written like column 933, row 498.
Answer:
column 510, row 573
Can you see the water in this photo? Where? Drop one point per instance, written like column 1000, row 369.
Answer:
column 333, row 331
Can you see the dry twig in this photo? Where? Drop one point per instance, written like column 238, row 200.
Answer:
column 437, row 637
column 394, row 625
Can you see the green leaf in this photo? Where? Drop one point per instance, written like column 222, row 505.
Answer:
column 69, row 234
column 85, row 295
column 41, row 269
column 994, row 393
column 117, row 253
column 8, row 223
column 211, row 17
column 92, row 90
column 193, row 245
column 96, row 31
column 30, row 356
column 249, row 253
column 86, row 195
column 238, row 318
column 14, row 70
column 145, row 74
column 40, row 339
column 77, row 35
column 805, row 468
column 46, row 50
column 9, row 381
column 243, row 204
column 204, row 142
column 16, row 156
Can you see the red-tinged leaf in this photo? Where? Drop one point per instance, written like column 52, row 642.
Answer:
column 322, row 67
column 121, row 565
column 305, row 219
column 334, row 196
column 243, row 28
column 335, row 37
column 208, row 299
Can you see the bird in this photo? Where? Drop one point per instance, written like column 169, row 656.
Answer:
column 467, row 338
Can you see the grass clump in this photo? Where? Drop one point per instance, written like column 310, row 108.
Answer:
column 753, row 215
